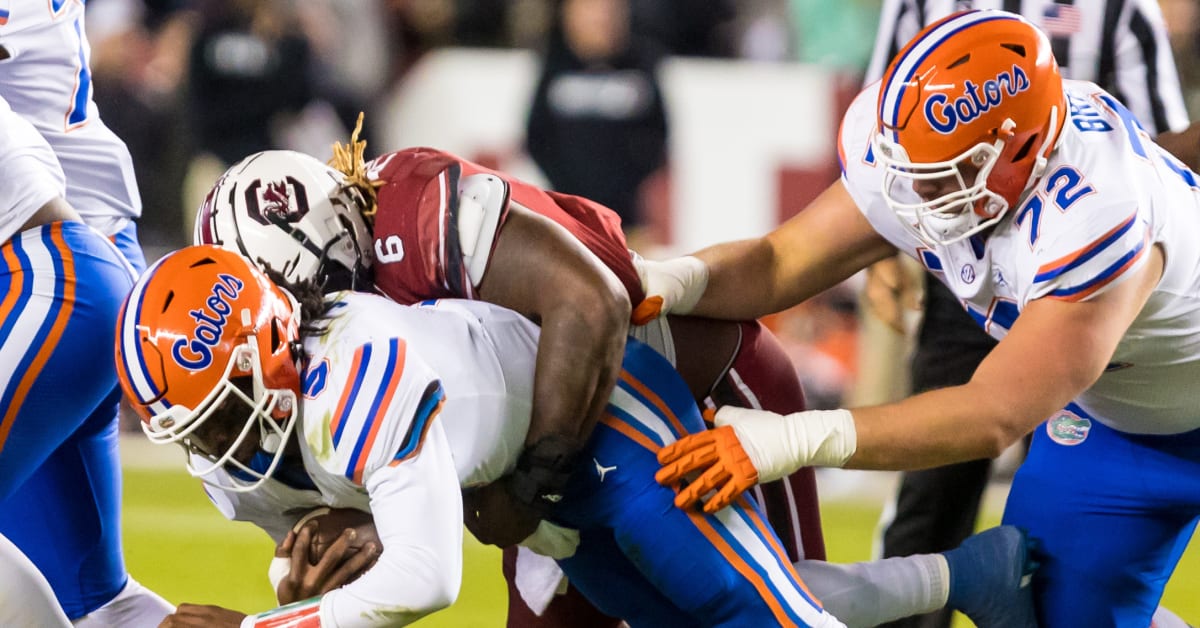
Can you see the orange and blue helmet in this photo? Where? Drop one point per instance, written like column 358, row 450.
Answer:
column 977, row 88
column 198, row 323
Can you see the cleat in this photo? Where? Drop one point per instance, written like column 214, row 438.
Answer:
column 989, row 579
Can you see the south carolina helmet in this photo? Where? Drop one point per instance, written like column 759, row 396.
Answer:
column 979, row 88
column 292, row 212
column 198, row 323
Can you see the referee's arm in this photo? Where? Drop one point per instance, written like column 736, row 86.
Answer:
column 1145, row 78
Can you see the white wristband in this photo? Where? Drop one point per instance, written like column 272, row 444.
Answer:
column 280, row 567
column 680, row 281
column 778, row 445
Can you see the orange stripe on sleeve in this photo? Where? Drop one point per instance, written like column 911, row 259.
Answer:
column 1070, row 257
column 1079, row 296
column 421, row 439
column 346, row 392
column 378, row 419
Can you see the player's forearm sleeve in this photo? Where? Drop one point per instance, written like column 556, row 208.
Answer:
column 418, row 513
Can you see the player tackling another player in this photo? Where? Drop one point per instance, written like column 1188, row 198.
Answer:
column 1070, row 237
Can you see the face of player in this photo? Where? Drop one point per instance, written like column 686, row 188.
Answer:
column 931, row 189
column 222, row 429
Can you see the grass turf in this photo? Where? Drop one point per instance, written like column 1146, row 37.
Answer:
column 180, row 546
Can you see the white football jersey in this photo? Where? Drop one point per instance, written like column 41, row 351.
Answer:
column 47, row 80
column 28, row 166
column 402, row 406
column 1108, row 194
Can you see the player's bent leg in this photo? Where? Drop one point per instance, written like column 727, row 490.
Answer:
column 62, row 285
column 871, row 593
column 67, row 516
column 134, row 606
column 1111, row 514
column 25, row 596
column 723, row 569
column 761, row 376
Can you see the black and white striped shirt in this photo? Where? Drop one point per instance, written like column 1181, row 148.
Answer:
column 1119, row 44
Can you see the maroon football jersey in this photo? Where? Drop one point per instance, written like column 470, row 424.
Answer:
column 418, row 255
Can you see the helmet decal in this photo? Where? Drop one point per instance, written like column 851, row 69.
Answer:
column 205, row 334
column 195, row 353
column 968, row 114
column 945, row 115
column 277, row 201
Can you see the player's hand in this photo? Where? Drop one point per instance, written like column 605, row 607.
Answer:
column 340, row 564
column 890, row 292
column 713, row 460
column 672, row 286
column 494, row 517
column 202, row 616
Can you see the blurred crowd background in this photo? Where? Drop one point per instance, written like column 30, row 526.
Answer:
column 194, row 85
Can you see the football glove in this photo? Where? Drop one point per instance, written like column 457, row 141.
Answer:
column 751, row 446
column 672, row 286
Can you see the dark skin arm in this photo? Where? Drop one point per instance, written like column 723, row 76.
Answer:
column 542, row 271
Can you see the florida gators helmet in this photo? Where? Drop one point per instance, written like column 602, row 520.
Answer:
column 205, row 334
column 292, row 212
column 976, row 99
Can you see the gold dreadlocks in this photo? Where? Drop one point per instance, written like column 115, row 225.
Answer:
column 348, row 159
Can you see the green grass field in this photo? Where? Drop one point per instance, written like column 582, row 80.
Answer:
column 179, row 545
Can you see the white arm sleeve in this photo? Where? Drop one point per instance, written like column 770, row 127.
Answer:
column 417, row 507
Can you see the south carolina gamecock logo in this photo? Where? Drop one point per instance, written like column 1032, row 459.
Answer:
column 276, row 201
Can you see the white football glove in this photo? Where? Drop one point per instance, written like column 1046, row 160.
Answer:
column 778, row 444
column 678, row 282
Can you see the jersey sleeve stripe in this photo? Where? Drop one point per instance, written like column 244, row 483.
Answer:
column 427, row 411
column 362, row 358
column 378, row 411
column 1064, row 264
column 302, row 614
column 1106, row 277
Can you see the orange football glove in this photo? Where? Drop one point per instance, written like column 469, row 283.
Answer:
column 716, row 460
column 649, row 309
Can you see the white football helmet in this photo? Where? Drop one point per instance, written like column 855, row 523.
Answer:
column 290, row 211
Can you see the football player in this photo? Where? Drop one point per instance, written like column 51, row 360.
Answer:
column 1068, row 235
column 392, row 409
column 441, row 226
column 353, row 401
column 56, row 393
column 286, row 196
column 65, row 514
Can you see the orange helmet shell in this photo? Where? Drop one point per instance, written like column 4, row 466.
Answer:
column 974, row 78
column 180, row 326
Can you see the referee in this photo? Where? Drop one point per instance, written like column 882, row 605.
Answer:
column 1120, row 45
